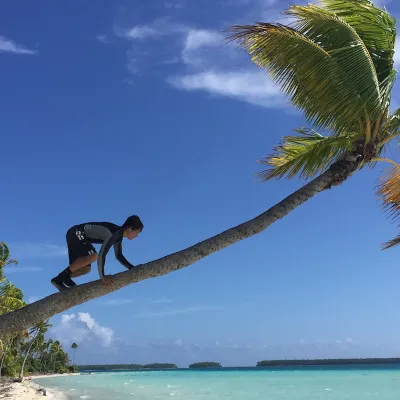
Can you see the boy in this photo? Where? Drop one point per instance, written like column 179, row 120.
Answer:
column 82, row 253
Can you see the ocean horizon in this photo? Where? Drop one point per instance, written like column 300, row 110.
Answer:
column 236, row 383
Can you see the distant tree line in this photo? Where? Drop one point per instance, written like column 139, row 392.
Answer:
column 339, row 361
column 206, row 364
column 126, row 367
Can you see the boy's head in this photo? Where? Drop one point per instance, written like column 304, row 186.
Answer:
column 132, row 227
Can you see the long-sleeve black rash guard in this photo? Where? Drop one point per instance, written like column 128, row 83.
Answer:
column 107, row 234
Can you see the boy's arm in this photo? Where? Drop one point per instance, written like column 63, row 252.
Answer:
column 120, row 257
column 101, row 258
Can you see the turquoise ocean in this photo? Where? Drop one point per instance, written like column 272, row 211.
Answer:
column 300, row 383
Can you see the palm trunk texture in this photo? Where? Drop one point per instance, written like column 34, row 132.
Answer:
column 43, row 309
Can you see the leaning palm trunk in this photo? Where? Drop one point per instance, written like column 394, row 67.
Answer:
column 21, row 373
column 59, row 302
column 7, row 347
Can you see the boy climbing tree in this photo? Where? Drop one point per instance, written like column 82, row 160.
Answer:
column 82, row 254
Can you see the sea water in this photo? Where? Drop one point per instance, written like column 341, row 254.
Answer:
column 335, row 383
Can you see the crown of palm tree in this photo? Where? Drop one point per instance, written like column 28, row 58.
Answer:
column 335, row 62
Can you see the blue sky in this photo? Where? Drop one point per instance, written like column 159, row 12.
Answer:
column 118, row 108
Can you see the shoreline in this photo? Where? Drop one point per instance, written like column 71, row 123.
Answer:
column 29, row 389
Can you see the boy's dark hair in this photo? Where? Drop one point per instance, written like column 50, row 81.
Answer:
column 133, row 222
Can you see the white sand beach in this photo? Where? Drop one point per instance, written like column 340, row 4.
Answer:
column 29, row 390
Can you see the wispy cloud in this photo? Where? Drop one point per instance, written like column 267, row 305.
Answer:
column 152, row 30
column 252, row 87
column 161, row 301
column 16, row 269
column 141, row 32
column 103, row 39
column 174, row 4
column 9, row 46
column 117, row 302
column 80, row 328
column 36, row 250
column 176, row 311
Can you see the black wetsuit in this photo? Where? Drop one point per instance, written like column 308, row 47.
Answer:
column 80, row 238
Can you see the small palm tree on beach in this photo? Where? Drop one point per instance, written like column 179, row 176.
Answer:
column 74, row 346
column 335, row 62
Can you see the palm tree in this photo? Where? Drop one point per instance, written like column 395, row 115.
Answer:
column 11, row 298
column 336, row 65
column 38, row 332
column 5, row 256
column 74, row 346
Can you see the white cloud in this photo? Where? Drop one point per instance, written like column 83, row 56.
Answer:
column 141, row 32
column 103, row 39
column 117, row 302
column 197, row 38
column 197, row 44
column 176, row 311
column 153, row 30
column 217, row 69
column 179, row 342
column 9, row 46
column 33, row 250
column 16, row 269
column 397, row 52
column 161, row 301
column 80, row 328
column 252, row 87
column 381, row 2
column 206, row 62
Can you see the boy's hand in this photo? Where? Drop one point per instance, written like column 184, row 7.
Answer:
column 108, row 281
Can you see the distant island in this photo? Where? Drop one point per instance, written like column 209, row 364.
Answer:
column 341, row 361
column 260, row 364
column 126, row 367
column 207, row 364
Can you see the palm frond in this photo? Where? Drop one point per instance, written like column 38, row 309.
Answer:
column 307, row 154
column 391, row 243
column 389, row 192
column 393, row 123
column 305, row 72
column 375, row 26
column 348, row 50
column 4, row 253
column 390, row 129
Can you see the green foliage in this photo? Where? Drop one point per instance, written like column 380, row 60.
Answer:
column 4, row 254
column 126, row 367
column 73, row 369
column 342, row 361
column 28, row 352
column 335, row 62
column 322, row 63
column 306, row 154
column 205, row 364
column 160, row 366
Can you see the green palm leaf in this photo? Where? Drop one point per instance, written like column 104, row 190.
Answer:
column 305, row 155
column 4, row 254
column 306, row 73
column 374, row 25
column 389, row 191
column 346, row 47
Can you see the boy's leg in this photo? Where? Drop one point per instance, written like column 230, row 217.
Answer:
column 82, row 271
column 81, row 255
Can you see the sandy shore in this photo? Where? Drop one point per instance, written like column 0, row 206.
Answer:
column 29, row 390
